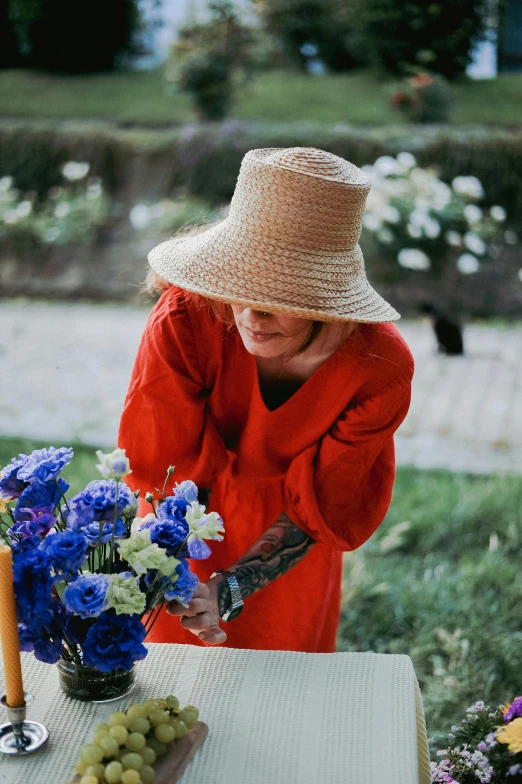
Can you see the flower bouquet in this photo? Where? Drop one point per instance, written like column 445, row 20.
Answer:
column 91, row 577
column 485, row 747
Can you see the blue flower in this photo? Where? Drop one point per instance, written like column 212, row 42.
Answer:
column 168, row 534
column 173, row 509
column 21, row 545
column 44, row 465
column 97, row 503
column 92, row 532
column 114, row 642
column 33, row 522
column 198, row 549
column 86, row 595
column 37, row 495
column 11, row 485
column 182, row 588
column 44, row 635
column 186, row 490
column 66, row 550
column 32, row 584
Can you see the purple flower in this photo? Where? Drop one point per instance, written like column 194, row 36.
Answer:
column 33, row 522
column 92, row 532
column 44, row 465
column 182, row 589
column 11, row 486
column 21, row 545
column 97, row 503
column 66, row 550
column 514, row 711
column 114, row 642
column 513, row 770
column 86, row 595
column 168, row 534
column 37, row 495
column 32, row 584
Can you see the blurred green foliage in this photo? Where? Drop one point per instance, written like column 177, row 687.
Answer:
column 209, row 57
column 440, row 581
column 61, row 36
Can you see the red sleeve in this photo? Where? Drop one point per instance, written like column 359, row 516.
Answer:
column 165, row 418
column 339, row 489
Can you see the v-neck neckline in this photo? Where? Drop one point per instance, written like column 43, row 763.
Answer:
column 309, row 383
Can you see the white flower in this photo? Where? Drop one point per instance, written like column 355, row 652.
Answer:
column 51, row 234
column 24, row 208
column 474, row 243
column 472, row 213
column 510, row 237
column 371, row 221
column 390, row 214
column 520, row 275
column 62, row 210
column 453, row 238
column 201, row 525
column 5, row 183
column 385, row 236
column 139, row 522
column 11, row 216
column 414, row 231
column 140, row 217
column 74, row 170
column 113, row 465
column 386, row 165
column 413, row 258
column 498, row 213
column 470, row 187
column 432, row 228
column 94, row 190
column 468, row 264
column 407, row 160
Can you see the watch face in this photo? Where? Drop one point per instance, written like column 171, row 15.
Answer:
column 229, row 615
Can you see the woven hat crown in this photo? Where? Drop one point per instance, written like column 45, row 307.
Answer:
column 290, row 243
column 300, row 197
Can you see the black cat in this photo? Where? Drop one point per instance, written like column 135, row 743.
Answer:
column 447, row 331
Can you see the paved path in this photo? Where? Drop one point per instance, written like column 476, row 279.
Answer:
column 65, row 370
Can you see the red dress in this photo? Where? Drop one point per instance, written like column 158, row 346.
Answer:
column 325, row 457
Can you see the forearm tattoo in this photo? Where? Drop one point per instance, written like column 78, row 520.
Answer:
column 282, row 546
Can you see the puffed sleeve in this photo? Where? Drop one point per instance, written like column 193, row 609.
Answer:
column 339, row 489
column 165, row 419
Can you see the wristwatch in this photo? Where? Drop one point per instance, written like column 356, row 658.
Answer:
column 237, row 603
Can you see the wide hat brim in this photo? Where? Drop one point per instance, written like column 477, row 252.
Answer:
column 241, row 268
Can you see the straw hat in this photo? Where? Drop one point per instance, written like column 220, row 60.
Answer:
column 289, row 244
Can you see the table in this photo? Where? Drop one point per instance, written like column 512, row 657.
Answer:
column 275, row 717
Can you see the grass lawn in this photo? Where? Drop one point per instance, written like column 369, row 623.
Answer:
column 357, row 98
column 440, row 581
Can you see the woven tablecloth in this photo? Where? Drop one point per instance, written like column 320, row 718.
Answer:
column 275, row 717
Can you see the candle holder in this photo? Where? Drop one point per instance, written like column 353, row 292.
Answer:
column 21, row 736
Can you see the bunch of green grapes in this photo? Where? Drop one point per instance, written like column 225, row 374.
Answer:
column 124, row 750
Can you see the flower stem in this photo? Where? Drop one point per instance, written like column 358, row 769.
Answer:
column 113, row 545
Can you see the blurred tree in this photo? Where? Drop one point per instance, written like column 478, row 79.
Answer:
column 9, row 54
column 73, row 37
column 395, row 35
column 209, row 58
column 320, row 23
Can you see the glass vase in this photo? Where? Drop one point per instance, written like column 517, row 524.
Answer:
column 92, row 685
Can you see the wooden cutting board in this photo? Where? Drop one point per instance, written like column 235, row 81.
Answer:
column 170, row 768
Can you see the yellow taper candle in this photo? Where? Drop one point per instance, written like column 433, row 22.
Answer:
column 14, row 687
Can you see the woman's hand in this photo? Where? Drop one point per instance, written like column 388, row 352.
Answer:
column 201, row 617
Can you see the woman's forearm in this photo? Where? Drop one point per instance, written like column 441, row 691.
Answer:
column 282, row 546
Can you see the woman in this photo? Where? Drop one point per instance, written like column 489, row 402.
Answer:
column 270, row 374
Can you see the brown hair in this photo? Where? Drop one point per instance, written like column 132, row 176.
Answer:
column 156, row 285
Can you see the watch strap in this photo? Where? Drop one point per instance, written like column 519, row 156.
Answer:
column 236, row 600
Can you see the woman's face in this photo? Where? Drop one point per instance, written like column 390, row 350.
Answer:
column 268, row 335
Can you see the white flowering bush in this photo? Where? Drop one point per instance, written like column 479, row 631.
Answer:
column 422, row 221
column 72, row 211
column 170, row 215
